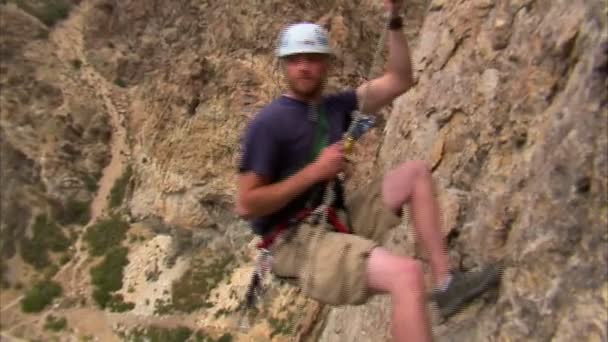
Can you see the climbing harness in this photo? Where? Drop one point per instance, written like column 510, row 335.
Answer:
column 324, row 212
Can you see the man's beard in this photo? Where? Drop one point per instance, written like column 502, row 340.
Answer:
column 306, row 88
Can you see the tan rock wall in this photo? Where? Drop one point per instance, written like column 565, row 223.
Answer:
column 510, row 110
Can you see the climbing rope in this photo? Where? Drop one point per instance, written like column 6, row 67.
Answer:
column 359, row 124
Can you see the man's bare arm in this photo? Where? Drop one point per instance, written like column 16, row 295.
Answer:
column 396, row 80
column 258, row 198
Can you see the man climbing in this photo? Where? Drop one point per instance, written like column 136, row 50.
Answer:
column 293, row 147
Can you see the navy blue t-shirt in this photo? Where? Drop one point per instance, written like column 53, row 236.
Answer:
column 278, row 141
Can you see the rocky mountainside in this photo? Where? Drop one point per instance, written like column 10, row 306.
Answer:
column 128, row 149
column 55, row 133
column 510, row 109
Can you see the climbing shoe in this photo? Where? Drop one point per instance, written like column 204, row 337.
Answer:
column 463, row 288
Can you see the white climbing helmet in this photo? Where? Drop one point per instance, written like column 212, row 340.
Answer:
column 303, row 38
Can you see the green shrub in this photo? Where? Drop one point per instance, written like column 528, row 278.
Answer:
column 221, row 312
column 117, row 194
column 40, row 295
column 102, row 297
column 282, row 326
column 114, row 302
column 117, row 304
column 162, row 307
column 54, row 11
column 90, row 183
column 50, row 234
column 191, row 291
column 75, row 212
column 225, row 338
column 34, row 252
column 47, row 235
column 76, row 63
column 65, row 258
column 120, row 82
column 3, row 272
column 105, row 234
column 202, row 336
column 51, row 271
column 160, row 334
column 48, row 11
column 107, row 276
column 54, row 323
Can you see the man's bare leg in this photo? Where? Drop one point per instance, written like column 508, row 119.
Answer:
column 412, row 181
column 401, row 277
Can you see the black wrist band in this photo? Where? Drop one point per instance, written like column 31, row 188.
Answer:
column 396, row 23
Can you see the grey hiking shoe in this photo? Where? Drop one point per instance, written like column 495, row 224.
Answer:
column 463, row 288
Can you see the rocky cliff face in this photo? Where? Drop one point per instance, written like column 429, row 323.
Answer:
column 510, row 109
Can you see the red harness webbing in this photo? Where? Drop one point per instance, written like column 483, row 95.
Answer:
column 335, row 221
column 301, row 215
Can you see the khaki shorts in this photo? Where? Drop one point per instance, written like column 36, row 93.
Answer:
column 331, row 267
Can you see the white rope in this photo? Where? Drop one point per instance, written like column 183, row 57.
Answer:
column 329, row 195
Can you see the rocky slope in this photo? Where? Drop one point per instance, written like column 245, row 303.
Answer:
column 55, row 132
column 511, row 110
column 62, row 150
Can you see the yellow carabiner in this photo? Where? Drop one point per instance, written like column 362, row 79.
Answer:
column 348, row 144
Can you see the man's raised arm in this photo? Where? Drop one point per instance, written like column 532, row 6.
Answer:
column 398, row 77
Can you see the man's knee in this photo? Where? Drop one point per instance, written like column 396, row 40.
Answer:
column 392, row 273
column 408, row 275
column 408, row 171
column 399, row 183
column 416, row 168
